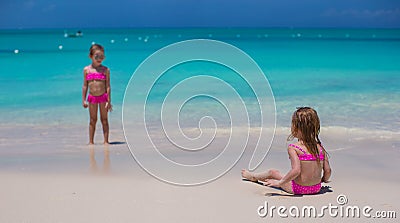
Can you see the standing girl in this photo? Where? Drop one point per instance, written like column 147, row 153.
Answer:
column 96, row 77
column 308, row 158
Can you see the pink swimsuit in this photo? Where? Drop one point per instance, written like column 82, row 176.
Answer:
column 101, row 98
column 300, row 189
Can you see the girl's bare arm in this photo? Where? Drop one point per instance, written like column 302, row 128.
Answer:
column 108, row 85
column 296, row 168
column 84, row 89
column 327, row 170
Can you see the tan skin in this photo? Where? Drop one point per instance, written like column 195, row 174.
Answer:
column 97, row 88
column 306, row 173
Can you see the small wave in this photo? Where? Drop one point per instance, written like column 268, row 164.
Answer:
column 339, row 131
column 360, row 133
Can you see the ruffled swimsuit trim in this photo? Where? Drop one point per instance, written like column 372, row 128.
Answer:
column 308, row 157
column 97, row 99
column 95, row 76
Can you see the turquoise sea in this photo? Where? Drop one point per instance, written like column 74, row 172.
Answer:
column 351, row 76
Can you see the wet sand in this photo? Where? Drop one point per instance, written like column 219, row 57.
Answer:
column 49, row 175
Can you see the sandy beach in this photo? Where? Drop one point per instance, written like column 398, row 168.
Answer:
column 202, row 89
column 48, row 178
column 49, row 174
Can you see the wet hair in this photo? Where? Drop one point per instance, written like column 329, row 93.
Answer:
column 306, row 127
column 95, row 47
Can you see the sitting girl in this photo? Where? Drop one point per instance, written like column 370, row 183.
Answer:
column 308, row 158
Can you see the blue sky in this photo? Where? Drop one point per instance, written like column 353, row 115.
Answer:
column 16, row 14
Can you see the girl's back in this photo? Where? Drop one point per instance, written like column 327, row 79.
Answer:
column 311, row 169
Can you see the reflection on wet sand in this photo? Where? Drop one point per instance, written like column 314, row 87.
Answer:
column 106, row 161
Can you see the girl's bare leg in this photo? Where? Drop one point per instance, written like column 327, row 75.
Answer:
column 262, row 176
column 104, row 121
column 93, row 108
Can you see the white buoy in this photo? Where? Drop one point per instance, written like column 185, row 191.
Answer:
column 93, row 43
column 112, row 41
column 60, row 47
column 16, row 51
column 126, row 39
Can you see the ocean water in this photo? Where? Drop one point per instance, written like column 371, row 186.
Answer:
column 351, row 76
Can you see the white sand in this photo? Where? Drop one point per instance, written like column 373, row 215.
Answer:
column 48, row 181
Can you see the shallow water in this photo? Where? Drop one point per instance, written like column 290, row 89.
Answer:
column 351, row 76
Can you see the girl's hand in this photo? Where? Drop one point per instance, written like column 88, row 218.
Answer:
column 85, row 104
column 272, row 183
column 323, row 180
column 108, row 106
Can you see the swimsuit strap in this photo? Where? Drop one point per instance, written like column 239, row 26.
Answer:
column 297, row 147
column 306, row 156
column 321, row 153
column 88, row 68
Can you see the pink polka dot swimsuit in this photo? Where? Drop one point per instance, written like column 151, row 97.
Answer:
column 96, row 76
column 300, row 189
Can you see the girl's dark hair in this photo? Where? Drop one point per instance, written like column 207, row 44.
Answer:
column 95, row 47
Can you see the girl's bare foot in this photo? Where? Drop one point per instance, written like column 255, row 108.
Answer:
column 247, row 175
column 91, row 143
column 106, row 143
